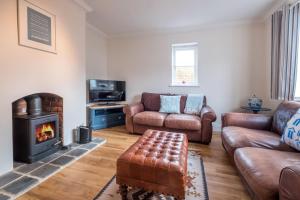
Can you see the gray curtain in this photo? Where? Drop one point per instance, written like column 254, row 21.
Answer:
column 285, row 36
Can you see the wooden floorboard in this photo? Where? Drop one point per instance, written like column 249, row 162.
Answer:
column 84, row 179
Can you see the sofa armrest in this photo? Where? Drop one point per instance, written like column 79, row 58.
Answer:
column 131, row 110
column 247, row 120
column 207, row 113
column 289, row 182
column 208, row 116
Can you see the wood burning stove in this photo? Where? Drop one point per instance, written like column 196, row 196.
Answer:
column 35, row 136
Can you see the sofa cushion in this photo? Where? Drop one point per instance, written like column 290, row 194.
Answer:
column 182, row 103
column 151, row 101
column 237, row 137
column 194, row 104
column 183, row 121
column 169, row 104
column 150, row 118
column 291, row 135
column 261, row 169
column 283, row 114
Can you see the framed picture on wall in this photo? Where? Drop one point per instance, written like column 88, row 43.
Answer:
column 37, row 27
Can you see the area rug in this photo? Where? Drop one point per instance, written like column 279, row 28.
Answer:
column 196, row 185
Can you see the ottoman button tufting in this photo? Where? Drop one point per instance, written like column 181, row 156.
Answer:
column 163, row 155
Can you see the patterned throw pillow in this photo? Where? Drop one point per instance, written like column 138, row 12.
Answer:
column 291, row 135
column 194, row 103
column 169, row 104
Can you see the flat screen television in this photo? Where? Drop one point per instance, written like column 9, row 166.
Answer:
column 106, row 91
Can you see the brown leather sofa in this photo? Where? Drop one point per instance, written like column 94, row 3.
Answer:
column 269, row 168
column 144, row 115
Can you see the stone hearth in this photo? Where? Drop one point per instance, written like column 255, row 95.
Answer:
column 26, row 176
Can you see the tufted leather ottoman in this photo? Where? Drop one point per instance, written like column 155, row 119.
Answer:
column 157, row 162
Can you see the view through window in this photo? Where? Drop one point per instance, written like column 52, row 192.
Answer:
column 185, row 64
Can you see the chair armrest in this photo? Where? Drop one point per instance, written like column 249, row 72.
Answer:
column 131, row 110
column 247, row 120
column 207, row 113
column 289, row 182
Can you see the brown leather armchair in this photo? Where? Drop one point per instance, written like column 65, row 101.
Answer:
column 144, row 115
column 269, row 168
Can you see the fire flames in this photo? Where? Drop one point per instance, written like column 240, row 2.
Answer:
column 45, row 132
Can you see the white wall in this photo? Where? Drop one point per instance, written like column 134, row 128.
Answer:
column 24, row 71
column 232, row 64
column 96, row 53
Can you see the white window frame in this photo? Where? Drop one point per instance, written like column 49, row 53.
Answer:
column 185, row 46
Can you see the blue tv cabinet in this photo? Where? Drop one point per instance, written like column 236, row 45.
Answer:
column 105, row 116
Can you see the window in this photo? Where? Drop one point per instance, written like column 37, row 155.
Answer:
column 185, row 64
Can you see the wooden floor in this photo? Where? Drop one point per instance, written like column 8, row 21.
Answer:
column 84, row 179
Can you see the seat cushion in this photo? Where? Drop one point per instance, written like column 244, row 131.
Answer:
column 183, row 121
column 150, row 118
column 236, row 137
column 261, row 169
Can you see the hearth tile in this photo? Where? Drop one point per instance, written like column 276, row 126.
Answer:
column 29, row 167
column 88, row 146
column 44, row 171
column 65, row 150
column 18, row 164
column 20, row 185
column 74, row 145
column 77, row 152
column 50, row 158
column 62, row 160
column 8, row 177
column 4, row 197
column 97, row 140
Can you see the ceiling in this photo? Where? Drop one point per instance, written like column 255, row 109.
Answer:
column 115, row 17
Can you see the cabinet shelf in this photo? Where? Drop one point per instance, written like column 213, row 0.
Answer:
column 105, row 117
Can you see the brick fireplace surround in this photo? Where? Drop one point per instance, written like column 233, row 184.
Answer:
column 54, row 103
column 51, row 103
